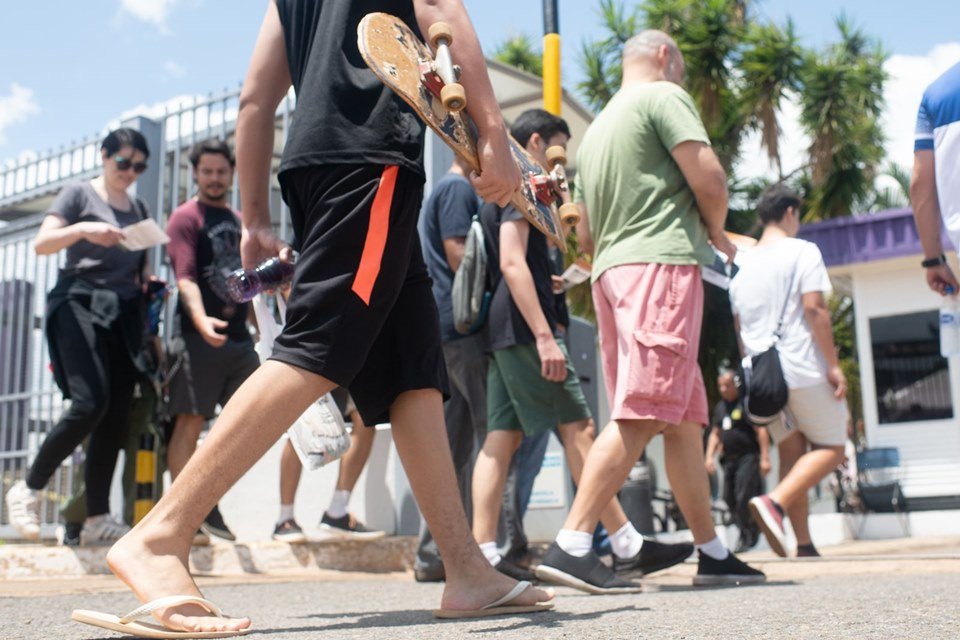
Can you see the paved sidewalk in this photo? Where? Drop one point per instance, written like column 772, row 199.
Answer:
column 891, row 599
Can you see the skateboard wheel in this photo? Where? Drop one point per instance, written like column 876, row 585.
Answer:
column 439, row 31
column 556, row 155
column 569, row 214
column 453, row 96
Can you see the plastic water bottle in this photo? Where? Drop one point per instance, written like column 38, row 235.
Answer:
column 950, row 326
column 245, row 284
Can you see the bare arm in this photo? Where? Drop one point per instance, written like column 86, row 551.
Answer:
column 817, row 315
column 584, row 235
column 499, row 176
column 207, row 326
column 266, row 84
column 705, row 175
column 926, row 214
column 453, row 248
column 763, row 439
column 513, row 264
column 714, row 447
column 55, row 234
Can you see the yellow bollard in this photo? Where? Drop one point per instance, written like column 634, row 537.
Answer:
column 145, row 476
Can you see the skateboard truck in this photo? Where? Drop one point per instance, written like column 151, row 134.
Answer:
column 440, row 76
column 557, row 179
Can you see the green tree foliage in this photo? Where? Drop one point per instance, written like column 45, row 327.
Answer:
column 521, row 52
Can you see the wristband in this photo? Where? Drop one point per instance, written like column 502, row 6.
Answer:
column 934, row 262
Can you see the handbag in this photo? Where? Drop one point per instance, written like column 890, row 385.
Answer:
column 767, row 391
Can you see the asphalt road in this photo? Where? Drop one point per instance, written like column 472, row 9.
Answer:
column 862, row 599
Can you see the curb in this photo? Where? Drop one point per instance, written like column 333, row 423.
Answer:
column 31, row 562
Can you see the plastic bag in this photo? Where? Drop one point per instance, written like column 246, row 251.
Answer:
column 319, row 436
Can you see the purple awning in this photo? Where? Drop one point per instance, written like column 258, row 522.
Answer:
column 867, row 238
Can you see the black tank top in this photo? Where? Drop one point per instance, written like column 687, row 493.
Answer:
column 344, row 115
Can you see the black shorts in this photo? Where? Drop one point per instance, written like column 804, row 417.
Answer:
column 204, row 376
column 361, row 311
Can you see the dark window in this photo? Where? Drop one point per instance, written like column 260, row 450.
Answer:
column 912, row 378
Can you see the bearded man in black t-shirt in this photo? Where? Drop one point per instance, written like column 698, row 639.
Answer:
column 361, row 314
column 745, row 457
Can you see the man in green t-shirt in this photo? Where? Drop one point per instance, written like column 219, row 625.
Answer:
column 656, row 197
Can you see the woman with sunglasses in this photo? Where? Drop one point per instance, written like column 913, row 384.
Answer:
column 94, row 331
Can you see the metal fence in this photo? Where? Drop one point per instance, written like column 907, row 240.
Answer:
column 30, row 403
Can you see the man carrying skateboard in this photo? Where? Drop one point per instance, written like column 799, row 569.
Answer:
column 657, row 197
column 532, row 387
column 361, row 314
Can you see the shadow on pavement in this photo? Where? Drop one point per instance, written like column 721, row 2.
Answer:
column 415, row 617
column 689, row 587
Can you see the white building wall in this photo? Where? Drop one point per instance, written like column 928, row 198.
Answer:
column 929, row 450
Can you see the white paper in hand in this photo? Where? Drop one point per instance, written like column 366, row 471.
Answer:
column 143, row 235
column 576, row 273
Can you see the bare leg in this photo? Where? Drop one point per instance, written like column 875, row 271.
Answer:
column 183, row 442
column 489, row 476
column 800, row 470
column 606, row 467
column 683, row 451
column 355, row 459
column 417, row 419
column 152, row 558
column 290, row 469
column 578, row 438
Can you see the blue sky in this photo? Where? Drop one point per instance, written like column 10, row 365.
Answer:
column 71, row 67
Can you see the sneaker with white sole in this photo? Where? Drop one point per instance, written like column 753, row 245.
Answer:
column 730, row 571
column 347, row 527
column 23, row 508
column 102, row 530
column 769, row 516
column 586, row 573
column 290, row 532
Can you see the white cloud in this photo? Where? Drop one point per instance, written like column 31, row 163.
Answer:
column 173, row 69
column 16, row 107
column 151, row 11
column 909, row 76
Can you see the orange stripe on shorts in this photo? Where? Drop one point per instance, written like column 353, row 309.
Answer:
column 376, row 240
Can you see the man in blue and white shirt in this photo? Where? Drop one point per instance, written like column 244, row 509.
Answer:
column 935, row 184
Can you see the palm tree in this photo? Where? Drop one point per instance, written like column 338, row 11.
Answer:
column 520, row 52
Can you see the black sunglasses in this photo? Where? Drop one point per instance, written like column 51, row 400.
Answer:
column 125, row 164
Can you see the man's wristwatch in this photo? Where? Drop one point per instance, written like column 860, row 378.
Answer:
column 934, row 262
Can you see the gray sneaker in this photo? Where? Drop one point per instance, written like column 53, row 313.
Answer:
column 23, row 507
column 102, row 530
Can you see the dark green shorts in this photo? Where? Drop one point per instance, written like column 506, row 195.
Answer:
column 520, row 399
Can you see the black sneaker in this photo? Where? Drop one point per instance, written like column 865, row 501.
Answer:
column 807, row 551
column 429, row 574
column 653, row 556
column 213, row 525
column 290, row 532
column 587, row 574
column 69, row 534
column 729, row 571
column 347, row 527
column 518, row 573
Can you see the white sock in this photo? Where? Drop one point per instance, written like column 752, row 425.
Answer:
column 338, row 504
column 576, row 543
column 286, row 513
column 626, row 542
column 489, row 550
column 714, row 549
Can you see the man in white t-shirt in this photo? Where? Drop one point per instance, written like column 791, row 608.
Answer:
column 784, row 277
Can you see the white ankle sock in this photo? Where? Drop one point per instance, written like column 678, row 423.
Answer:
column 626, row 542
column 286, row 513
column 576, row 543
column 338, row 504
column 715, row 549
column 489, row 550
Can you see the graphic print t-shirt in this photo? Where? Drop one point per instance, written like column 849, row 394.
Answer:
column 205, row 248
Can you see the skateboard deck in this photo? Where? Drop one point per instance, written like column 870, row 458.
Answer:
column 394, row 53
